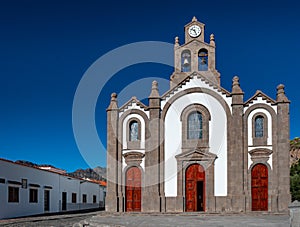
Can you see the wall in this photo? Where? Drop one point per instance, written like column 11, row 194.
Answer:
column 217, row 140
column 59, row 183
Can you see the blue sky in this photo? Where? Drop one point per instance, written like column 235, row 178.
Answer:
column 47, row 46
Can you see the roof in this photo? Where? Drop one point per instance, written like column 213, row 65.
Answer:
column 102, row 183
column 258, row 94
column 188, row 78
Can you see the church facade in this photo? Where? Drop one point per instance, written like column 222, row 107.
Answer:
column 198, row 147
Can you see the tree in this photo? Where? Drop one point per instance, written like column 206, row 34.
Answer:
column 295, row 181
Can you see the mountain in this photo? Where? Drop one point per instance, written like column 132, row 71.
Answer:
column 294, row 150
column 98, row 173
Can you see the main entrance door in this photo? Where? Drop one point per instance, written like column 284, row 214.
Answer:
column 195, row 188
column 259, row 187
column 133, row 189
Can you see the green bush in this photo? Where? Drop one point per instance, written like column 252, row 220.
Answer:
column 295, row 181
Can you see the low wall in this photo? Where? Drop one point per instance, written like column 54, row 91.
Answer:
column 295, row 214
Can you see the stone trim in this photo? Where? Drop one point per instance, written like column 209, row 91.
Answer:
column 198, row 156
column 133, row 144
column 193, row 143
column 120, row 126
column 260, row 155
column 273, row 179
column 123, row 184
column 196, row 90
column 133, row 158
column 260, row 141
column 257, row 94
column 270, row 185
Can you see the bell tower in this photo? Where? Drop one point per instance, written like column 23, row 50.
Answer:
column 195, row 55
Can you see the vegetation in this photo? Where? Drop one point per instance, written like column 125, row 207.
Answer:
column 295, row 169
column 295, row 181
column 295, row 143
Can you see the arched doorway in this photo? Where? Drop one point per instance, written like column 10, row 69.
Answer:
column 133, row 189
column 195, row 188
column 259, row 187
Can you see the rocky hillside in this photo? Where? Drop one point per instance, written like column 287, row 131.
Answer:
column 98, row 173
column 294, row 150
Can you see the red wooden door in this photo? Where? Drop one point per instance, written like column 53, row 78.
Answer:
column 195, row 188
column 259, row 187
column 133, row 189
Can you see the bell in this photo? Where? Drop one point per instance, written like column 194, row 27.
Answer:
column 186, row 62
column 203, row 61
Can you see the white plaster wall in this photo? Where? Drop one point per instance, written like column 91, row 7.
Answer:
column 125, row 130
column 269, row 119
column 217, row 140
column 260, row 100
column 197, row 82
column 59, row 183
column 133, row 105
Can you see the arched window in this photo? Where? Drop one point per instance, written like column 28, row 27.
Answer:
column 259, row 126
column 186, row 61
column 133, row 131
column 195, row 125
column 202, row 60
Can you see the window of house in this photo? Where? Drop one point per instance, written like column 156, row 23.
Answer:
column 13, row 194
column 84, row 198
column 33, row 195
column 195, row 126
column 94, row 199
column 186, row 61
column 73, row 197
column 259, row 126
column 134, row 131
column 202, row 60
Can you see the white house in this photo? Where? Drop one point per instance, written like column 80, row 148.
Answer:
column 26, row 190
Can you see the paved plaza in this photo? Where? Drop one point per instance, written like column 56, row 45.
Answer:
column 104, row 219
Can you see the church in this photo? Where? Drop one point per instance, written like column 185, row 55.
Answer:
column 198, row 147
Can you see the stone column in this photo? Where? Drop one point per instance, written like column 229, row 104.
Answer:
column 112, row 203
column 151, row 193
column 283, row 149
column 236, row 154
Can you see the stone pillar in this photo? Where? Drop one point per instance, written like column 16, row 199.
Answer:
column 236, row 163
column 283, row 149
column 111, row 202
column 151, row 193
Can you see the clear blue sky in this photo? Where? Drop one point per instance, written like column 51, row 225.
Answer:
column 46, row 47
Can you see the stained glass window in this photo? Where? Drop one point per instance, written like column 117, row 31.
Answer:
column 259, row 126
column 195, row 126
column 134, row 131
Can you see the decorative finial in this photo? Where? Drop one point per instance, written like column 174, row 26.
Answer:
column 194, row 19
column 236, row 89
column 113, row 102
column 212, row 40
column 113, row 96
column 281, row 97
column 154, row 90
column 176, row 41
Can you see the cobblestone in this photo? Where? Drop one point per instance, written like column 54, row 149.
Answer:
column 104, row 219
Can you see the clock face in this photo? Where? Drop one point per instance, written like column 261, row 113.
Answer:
column 194, row 31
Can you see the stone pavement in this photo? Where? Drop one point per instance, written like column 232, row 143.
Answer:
column 105, row 219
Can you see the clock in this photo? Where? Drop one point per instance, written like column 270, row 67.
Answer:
column 194, row 31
